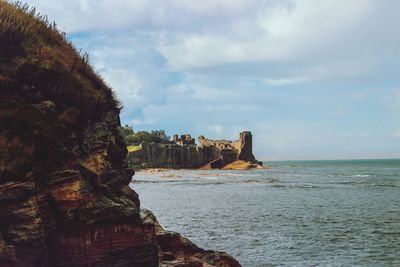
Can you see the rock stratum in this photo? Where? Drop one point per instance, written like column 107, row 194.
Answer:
column 183, row 153
column 65, row 198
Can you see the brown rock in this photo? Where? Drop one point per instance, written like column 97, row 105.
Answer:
column 183, row 153
column 65, row 198
column 175, row 250
column 246, row 147
column 242, row 165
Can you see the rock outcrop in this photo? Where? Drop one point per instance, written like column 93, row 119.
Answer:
column 64, row 194
column 245, row 150
column 176, row 251
column 183, row 153
column 156, row 155
column 242, row 165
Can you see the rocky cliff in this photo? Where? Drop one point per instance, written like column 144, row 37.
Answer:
column 184, row 153
column 156, row 155
column 64, row 194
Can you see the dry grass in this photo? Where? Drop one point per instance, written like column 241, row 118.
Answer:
column 19, row 22
column 132, row 149
column 27, row 37
column 21, row 28
column 38, row 63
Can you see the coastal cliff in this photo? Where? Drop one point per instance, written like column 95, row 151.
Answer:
column 183, row 153
column 65, row 198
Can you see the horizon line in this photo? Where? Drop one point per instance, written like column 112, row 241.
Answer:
column 329, row 158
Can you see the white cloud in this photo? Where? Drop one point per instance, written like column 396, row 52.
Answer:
column 326, row 72
column 218, row 67
column 283, row 42
column 131, row 66
column 281, row 32
column 100, row 15
column 286, row 81
column 215, row 129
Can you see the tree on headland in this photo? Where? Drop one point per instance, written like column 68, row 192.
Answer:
column 132, row 138
column 160, row 136
column 126, row 131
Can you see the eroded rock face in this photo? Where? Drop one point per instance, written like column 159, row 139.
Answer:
column 246, row 147
column 184, row 153
column 174, row 250
column 65, row 201
column 155, row 155
column 64, row 194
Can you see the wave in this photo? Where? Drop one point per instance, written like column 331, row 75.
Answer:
column 368, row 184
column 159, row 181
column 384, row 185
column 264, row 181
column 230, row 174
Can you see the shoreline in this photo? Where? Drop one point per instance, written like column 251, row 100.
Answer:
column 165, row 169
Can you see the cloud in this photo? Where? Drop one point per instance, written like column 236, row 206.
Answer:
column 328, row 72
column 108, row 15
column 131, row 66
column 290, row 31
column 283, row 42
column 298, row 73
column 215, row 129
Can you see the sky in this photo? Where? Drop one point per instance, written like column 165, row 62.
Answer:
column 312, row 79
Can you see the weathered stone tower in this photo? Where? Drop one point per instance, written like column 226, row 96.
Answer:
column 246, row 147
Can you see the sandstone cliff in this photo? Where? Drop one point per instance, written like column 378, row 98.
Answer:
column 64, row 194
column 184, row 153
column 156, row 155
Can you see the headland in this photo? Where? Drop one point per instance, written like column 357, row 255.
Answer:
column 183, row 153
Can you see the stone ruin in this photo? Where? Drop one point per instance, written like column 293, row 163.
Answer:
column 243, row 146
column 183, row 152
column 185, row 139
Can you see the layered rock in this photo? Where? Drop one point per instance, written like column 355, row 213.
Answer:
column 176, row 251
column 64, row 194
column 184, row 153
column 156, row 155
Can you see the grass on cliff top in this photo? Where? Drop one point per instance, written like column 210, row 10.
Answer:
column 28, row 37
column 132, row 149
column 38, row 63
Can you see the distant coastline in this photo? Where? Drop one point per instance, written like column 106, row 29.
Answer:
column 330, row 159
column 183, row 153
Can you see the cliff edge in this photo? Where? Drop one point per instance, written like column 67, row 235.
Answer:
column 183, row 153
column 64, row 194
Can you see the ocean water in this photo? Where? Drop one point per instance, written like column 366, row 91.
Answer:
column 298, row 213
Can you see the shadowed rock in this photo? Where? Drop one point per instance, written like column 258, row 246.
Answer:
column 184, row 153
column 64, row 194
column 175, row 250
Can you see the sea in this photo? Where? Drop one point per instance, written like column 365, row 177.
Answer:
column 297, row 213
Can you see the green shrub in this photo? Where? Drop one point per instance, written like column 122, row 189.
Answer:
column 132, row 138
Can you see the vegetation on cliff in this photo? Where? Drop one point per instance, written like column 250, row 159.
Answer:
column 132, row 149
column 182, row 152
column 36, row 57
column 62, row 158
column 132, row 138
column 65, row 198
